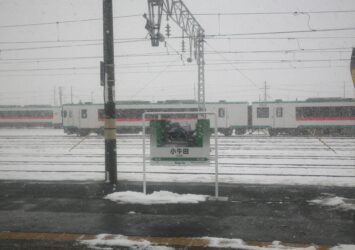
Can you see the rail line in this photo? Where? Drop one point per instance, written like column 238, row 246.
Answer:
column 256, row 159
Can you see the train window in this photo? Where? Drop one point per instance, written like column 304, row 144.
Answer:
column 325, row 111
column 101, row 114
column 221, row 112
column 70, row 114
column 352, row 111
column 65, row 113
column 262, row 112
column 279, row 112
column 84, row 113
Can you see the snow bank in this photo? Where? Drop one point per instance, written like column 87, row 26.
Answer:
column 343, row 247
column 122, row 241
column 103, row 241
column 335, row 202
column 240, row 244
column 160, row 197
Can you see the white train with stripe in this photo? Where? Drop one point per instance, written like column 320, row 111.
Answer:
column 87, row 118
column 30, row 116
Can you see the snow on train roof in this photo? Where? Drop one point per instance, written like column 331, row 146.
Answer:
column 31, row 107
column 309, row 100
column 156, row 103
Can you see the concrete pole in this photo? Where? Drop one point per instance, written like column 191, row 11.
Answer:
column 109, row 94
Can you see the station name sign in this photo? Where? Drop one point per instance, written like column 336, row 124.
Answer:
column 180, row 142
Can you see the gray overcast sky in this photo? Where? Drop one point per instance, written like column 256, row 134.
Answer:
column 36, row 59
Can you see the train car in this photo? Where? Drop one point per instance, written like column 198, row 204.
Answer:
column 30, row 116
column 317, row 116
column 83, row 119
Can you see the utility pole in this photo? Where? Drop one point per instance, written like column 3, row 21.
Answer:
column 265, row 91
column 109, row 94
column 60, row 96
column 54, row 97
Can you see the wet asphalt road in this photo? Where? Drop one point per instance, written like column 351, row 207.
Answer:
column 253, row 212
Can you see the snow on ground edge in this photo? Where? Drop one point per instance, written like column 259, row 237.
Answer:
column 103, row 240
column 335, row 202
column 158, row 197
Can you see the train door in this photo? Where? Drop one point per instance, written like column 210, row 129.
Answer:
column 278, row 117
column 84, row 128
column 222, row 114
column 78, row 114
column 84, row 118
column 69, row 123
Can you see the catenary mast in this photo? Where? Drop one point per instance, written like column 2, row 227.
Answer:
column 181, row 15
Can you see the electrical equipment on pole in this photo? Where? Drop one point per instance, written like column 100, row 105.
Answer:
column 181, row 15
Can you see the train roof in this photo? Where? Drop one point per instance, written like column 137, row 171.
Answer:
column 156, row 103
column 28, row 107
column 310, row 100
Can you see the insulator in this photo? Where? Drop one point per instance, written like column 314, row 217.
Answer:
column 167, row 30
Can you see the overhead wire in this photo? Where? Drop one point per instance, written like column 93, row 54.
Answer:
column 274, row 13
column 63, row 21
column 211, row 62
column 295, row 13
column 208, row 36
column 150, row 71
column 313, row 50
column 281, row 32
column 159, row 73
column 127, row 40
column 70, row 45
column 233, row 66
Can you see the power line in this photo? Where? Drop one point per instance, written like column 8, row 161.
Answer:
column 48, row 69
column 51, row 47
column 210, row 62
column 280, row 32
column 208, row 36
column 283, row 38
column 63, row 22
column 159, row 73
column 313, row 50
column 295, row 13
column 132, row 39
column 70, row 45
column 118, row 40
column 167, row 71
column 274, row 13
column 234, row 68
column 159, row 64
column 246, row 69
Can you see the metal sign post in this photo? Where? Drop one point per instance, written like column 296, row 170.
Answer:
column 144, row 120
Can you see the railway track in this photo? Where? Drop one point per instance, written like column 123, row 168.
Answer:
column 303, row 160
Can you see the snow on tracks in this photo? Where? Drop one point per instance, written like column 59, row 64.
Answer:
column 44, row 154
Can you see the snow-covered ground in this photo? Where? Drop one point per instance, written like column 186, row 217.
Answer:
column 106, row 241
column 334, row 202
column 49, row 154
column 160, row 197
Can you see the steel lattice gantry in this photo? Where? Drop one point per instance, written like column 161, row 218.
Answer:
column 181, row 15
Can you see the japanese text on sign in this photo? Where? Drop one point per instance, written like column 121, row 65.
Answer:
column 179, row 151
